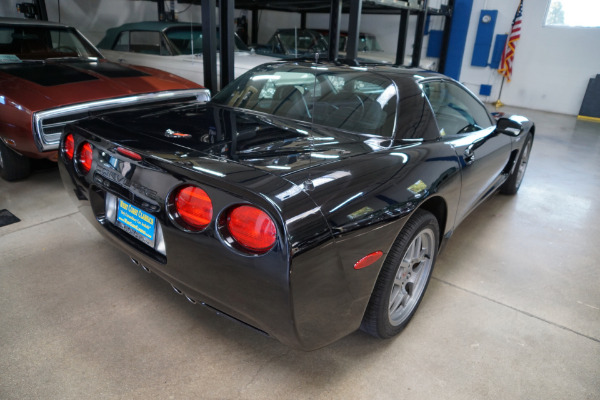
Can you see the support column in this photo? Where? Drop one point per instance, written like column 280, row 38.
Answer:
column 419, row 34
column 161, row 9
column 334, row 29
column 402, row 36
column 254, row 29
column 446, row 38
column 209, row 44
column 227, row 41
column 353, row 30
column 41, row 9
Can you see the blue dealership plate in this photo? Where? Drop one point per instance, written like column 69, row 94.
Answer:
column 136, row 222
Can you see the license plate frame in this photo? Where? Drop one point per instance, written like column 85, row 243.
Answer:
column 137, row 222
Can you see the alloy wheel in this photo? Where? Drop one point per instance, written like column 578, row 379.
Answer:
column 411, row 277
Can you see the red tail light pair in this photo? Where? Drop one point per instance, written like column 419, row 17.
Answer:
column 191, row 207
column 249, row 227
column 84, row 153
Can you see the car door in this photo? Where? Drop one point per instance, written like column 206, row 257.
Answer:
column 465, row 124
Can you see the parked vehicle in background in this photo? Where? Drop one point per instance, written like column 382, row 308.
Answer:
column 294, row 43
column 305, row 200
column 370, row 49
column 51, row 75
column 175, row 47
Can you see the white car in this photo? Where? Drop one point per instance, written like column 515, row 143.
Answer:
column 175, row 47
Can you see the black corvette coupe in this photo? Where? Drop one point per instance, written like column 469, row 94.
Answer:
column 304, row 200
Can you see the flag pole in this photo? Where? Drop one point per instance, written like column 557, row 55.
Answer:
column 498, row 103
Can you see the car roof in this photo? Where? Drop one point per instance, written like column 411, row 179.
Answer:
column 153, row 25
column 30, row 22
column 297, row 30
column 394, row 72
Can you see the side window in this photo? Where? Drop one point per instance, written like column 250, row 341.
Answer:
column 6, row 35
column 145, row 42
column 122, row 43
column 274, row 44
column 455, row 109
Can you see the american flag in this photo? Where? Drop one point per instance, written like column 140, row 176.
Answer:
column 509, row 51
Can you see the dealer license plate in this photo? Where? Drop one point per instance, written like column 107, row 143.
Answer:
column 136, row 222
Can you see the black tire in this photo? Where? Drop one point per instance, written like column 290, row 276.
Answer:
column 403, row 278
column 13, row 166
column 513, row 183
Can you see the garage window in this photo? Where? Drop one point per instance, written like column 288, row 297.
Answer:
column 573, row 13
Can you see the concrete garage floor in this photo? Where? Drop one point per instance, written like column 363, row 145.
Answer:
column 512, row 311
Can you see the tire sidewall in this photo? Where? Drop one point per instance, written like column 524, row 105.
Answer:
column 420, row 221
column 512, row 185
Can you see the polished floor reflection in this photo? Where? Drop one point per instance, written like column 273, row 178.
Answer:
column 512, row 311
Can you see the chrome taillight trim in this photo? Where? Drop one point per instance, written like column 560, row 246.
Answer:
column 47, row 142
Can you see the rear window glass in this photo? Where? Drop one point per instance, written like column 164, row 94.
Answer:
column 351, row 99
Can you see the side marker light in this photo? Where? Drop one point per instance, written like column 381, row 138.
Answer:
column 368, row 259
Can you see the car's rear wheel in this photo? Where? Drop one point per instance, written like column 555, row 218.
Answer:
column 13, row 166
column 513, row 183
column 403, row 278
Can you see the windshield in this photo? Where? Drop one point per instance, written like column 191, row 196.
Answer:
column 349, row 99
column 188, row 40
column 18, row 43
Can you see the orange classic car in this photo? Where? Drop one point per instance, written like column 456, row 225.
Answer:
column 50, row 75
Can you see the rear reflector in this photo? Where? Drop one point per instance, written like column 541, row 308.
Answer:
column 85, row 158
column 251, row 228
column 368, row 259
column 69, row 146
column 128, row 153
column 193, row 207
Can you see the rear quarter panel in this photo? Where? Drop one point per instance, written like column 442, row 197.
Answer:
column 366, row 208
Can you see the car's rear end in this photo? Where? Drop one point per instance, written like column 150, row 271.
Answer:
column 207, row 226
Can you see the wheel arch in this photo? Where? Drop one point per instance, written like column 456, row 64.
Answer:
column 439, row 208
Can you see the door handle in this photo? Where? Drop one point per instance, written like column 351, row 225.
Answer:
column 469, row 155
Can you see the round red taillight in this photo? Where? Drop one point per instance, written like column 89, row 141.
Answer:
column 193, row 207
column 84, row 158
column 69, row 146
column 251, row 228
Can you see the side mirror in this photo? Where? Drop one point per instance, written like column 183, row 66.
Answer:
column 508, row 126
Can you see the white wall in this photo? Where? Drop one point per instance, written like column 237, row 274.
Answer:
column 552, row 65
